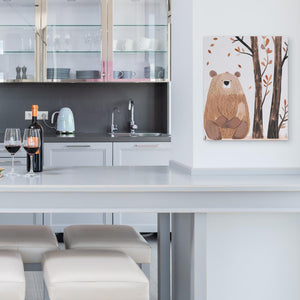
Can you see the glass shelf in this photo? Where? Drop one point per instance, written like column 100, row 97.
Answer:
column 18, row 52
column 84, row 25
column 71, row 52
column 145, row 25
column 26, row 25
column 144, row 51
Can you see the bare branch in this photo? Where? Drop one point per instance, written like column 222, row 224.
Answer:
column 266, row 67
column 241, row 40
column 285, row 55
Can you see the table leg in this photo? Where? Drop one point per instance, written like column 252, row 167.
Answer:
column 163, row 255
column 189, row 256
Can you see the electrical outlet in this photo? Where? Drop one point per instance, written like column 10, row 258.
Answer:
column 28, row 115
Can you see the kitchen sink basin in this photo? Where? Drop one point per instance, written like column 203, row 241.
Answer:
column 137, row 134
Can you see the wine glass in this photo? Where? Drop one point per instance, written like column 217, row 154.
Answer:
column 31, row 144
column 12, row 143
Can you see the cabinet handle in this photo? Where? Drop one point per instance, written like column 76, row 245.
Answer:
column 146, row 146
column 9, row 162
column 78, row 146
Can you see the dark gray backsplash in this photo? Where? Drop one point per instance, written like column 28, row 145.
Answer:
column 91, row 104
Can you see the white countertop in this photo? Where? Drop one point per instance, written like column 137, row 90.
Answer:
column 144, row 179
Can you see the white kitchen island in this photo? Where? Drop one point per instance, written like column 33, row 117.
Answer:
column 162, row 190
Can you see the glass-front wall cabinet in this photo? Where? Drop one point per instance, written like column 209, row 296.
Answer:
column 17, row 40
column 140, row 40
column 84, row 40
column 73, row 36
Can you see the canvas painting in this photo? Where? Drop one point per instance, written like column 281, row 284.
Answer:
column 246, row 88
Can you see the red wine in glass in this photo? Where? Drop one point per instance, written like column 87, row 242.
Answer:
column 12, row 143
column 12, row 149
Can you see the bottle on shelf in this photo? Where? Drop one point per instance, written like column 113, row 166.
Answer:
column 38, row 158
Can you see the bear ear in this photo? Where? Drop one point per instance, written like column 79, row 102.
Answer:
column 213, row 73
column 237, row 74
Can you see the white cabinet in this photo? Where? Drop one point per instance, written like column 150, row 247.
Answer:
column 140, row 154
column 74, row 155
column 77, row 154
column 18, row 219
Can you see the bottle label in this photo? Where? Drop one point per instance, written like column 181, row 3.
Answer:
column 32, row 142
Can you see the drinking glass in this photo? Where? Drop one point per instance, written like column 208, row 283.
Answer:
column 12, row 143
column 31, row 144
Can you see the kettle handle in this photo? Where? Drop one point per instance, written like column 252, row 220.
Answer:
column 53, row 115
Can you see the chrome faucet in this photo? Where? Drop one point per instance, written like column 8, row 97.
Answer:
column 132, row 126
column 114, row 127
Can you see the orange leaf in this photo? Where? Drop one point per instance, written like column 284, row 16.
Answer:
column 268, row 92
column 236, row 49
column 232, row 39
column 263, row 64
column 239, row 66
column 270, row 62
column 284, row 102
column 284, row 49
column 267, row 42
column 270, row 83
column 250, row 87
column 269, row 51
column 270, row 76
column 215, row 39
column 228, row 54
column 207, row 63
column 209, row 51
column 267, row 77
column 264, row 81
column 212, row 45
column 264, row 37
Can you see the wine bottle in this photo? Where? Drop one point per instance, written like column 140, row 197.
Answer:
column 38, row 158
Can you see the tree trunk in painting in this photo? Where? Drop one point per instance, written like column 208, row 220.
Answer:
column 257, row 132
column 273, row 130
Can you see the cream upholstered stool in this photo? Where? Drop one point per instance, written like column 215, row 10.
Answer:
column 12, row 278
column 31, row 241
column 93, row 275
column 111, row 237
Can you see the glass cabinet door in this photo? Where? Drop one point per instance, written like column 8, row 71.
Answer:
column 17, row 40
column 73, row 40
column 139, row 40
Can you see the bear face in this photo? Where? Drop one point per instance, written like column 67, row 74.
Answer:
column 225, row 83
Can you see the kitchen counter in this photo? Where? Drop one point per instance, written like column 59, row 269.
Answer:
column 95, row 138
column 98, row 138
column 163, row 190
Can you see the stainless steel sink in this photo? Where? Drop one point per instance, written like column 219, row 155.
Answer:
column 137, row 134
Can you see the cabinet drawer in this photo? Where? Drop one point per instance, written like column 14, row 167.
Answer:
column 141, row 154
column 78, row 154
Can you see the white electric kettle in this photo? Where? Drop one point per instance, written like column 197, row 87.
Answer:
column 65, row 121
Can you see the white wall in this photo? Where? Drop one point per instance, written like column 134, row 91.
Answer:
column 218, row 17
column 249, row 256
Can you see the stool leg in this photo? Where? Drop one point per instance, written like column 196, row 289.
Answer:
column 46, row 297
column 146, row 269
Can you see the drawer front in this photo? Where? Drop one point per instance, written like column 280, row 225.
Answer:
column 141, row 154
column 77, row 155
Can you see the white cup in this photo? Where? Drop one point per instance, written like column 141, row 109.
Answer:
column 143, row 44
column 128, row 45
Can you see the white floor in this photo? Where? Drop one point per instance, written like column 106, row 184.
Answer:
column 34, row 280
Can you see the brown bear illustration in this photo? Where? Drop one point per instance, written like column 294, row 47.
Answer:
column 226, row 111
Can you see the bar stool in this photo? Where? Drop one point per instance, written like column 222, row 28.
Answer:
column 32, row 241
column 110, row 237
column 12, row 278
column 93, row 275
